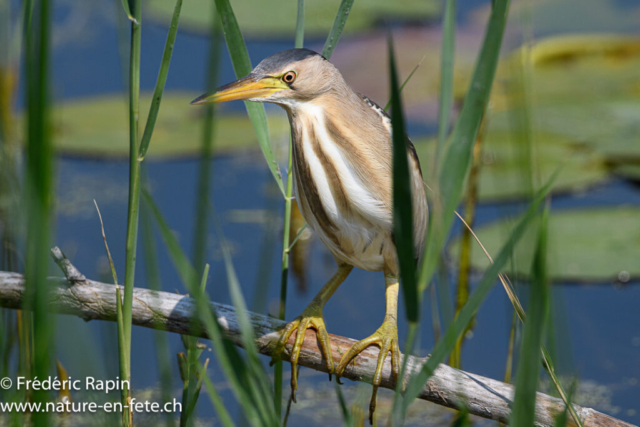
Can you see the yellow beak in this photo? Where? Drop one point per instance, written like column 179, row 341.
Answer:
column 248, row 87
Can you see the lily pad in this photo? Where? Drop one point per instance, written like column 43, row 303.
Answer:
column 628, row 171
column 583, row 88
column 278, row 19
column 562, row 16
column 503, row 172
column 587, row 245
column 611, row 127
column 565, row 70
column 98, row 127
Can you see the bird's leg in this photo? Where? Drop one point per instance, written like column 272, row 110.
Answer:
column 386, row 337
column 311, row 317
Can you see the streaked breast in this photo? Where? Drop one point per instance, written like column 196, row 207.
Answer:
column 347, row 207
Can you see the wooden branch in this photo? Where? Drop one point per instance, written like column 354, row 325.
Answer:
column 450, row 387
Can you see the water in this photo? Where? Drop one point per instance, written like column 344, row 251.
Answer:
column 604, row 344
column 600, row 343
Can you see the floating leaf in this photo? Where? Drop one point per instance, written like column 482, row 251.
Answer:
column 261, row 17
column 501, row 176
column 586, row 88
column 97, row 127
column 610, row 127
column 586, row 245
column 628, row 171
column 552, row 16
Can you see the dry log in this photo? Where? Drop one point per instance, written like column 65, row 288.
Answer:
column 88, row 299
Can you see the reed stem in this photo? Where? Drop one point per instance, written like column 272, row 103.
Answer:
column 134, row 200
column 284, row 276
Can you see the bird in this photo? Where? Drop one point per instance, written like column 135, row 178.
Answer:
column 343, row 184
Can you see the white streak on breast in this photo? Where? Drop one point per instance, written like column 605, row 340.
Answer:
column 362, row 240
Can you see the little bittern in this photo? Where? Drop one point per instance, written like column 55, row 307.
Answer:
column 343, row 172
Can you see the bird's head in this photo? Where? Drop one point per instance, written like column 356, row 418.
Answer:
column 285, row 78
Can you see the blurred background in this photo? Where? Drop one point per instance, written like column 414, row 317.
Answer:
column 582, row 88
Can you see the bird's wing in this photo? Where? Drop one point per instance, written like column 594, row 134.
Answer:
column 420, row 208
column 386, row 119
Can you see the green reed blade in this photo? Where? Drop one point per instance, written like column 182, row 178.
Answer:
column 443, row 294
column 347, row 417
column 160, row 338
column 461, row 322
column 459, row 153
column 528, row 372
column 562, row 420
column 284, row 276
column 228, row 357
column 127, row 11
column 189, row 372
column 338, row 26
column 106, row 245
column 508, row 369
column 223, row 415
column 38, row 193
column 201, row 373
column 160, row 83
column 200, row 229
column 404, row 83
column 286, row 247
column 133, row 202
column 402, row 196
column 295, row 240
column 27, row 19
column 122, row 357
column 242, row 66
column 458, row 157
column 447, row 58
column 246, row 330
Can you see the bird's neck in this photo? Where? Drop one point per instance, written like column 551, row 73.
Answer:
column 314, row 112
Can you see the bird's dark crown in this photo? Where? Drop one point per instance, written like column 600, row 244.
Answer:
column 279, row 60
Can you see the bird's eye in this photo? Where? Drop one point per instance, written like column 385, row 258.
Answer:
column 289, row 77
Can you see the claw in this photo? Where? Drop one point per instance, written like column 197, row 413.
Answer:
column 386, row 337
column 372, row 404
column 310, row 318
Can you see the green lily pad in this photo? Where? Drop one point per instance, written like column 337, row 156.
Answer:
column 586, row 245
column 584, row 87
column 503, row 172
column 562, row 16
column 99, row 127
column 611, row 128
column 277, row 19
column 628, row 171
